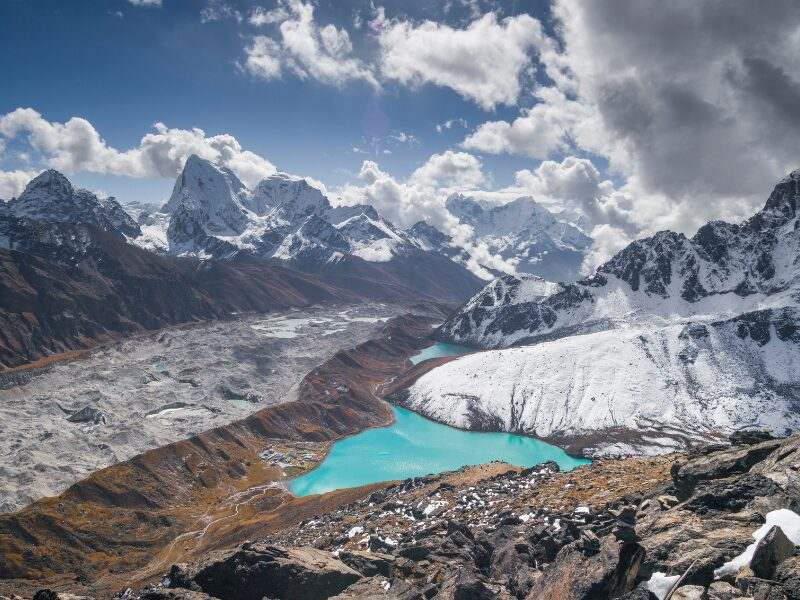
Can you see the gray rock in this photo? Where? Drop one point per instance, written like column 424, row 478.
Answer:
column 176, row 594
column 719, row 464
column 770, row 552
column 722, row 590
column 87, row 414
column 257, row 570
column 608, row 574
column 368, row 563
column 689, row 592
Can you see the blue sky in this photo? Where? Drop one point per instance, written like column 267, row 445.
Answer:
column 644, row 116
column 124, row 67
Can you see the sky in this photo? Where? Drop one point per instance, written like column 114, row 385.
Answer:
column 640, row 114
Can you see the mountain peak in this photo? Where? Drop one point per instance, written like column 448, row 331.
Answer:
column 783, row 203
column 50, row 182
column 295, row 195
column 49, row 197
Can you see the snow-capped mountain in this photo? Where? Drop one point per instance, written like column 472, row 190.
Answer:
column 526, row 234
column 211, row 213
column 673, row 339
column 50, row 197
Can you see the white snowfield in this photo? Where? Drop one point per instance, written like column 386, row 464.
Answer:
column 661, row 383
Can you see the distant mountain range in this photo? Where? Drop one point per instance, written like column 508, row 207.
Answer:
column 70, row 275
column 674, row 339
column 211, row 213
column 525, row 234
column 89, row 249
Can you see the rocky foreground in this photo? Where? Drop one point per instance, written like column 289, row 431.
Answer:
column 717, row 525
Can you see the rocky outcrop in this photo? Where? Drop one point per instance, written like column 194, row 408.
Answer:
column 258, row 570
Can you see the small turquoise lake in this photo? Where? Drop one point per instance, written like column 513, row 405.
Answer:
column 413, row 446
column 439, row 349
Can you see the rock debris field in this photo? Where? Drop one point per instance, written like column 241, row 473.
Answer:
column 59, row 424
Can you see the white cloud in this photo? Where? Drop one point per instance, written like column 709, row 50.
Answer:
column 483, row 62
column 13, row 182
column 263, row 57
column 541, row 131
column 304, row 48
column 452, row 170
column 692, row 104
column 76, row 146
column 260, row 16
column 450, row 123
column 145, row 2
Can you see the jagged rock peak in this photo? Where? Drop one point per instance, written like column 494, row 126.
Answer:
column 289, row 191
column 204, row 183
column 784, row 201
column 50, row 197
column 50, row 182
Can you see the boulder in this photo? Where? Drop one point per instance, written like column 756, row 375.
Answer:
column 87, row 414
column 689, row 592
column 641, row 592
column 466, row 585
column 730, row 494
column 770, row 552
column 368, row 563
column 607, row 574
column 722, row 590
column 719, row 464
column 257, row 570
column 45, row 595
column 375, row 588
column 750, row 437
column 788, row 574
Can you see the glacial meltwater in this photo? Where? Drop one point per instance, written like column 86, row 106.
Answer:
column 439, row 349
column 413, row 446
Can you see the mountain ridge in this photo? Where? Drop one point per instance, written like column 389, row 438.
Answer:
column 673, row 341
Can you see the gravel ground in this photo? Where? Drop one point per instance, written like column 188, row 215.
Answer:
column 64, row 422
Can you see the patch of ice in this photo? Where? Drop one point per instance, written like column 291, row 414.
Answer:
column 660, row 584
column 354, row 531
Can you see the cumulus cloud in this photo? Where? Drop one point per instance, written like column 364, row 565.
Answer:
column 483, row 62
column 263, row 57
column 540, row 132
column 13, row 182
column 452, row 170
column 304, row 48
column 693, row 104
column 77, row 146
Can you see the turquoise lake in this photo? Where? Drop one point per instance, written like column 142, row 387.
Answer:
column 413, row 446
column 439, row 349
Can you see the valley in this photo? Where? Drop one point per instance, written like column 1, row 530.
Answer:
column 212, row 489
column 60, row 423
